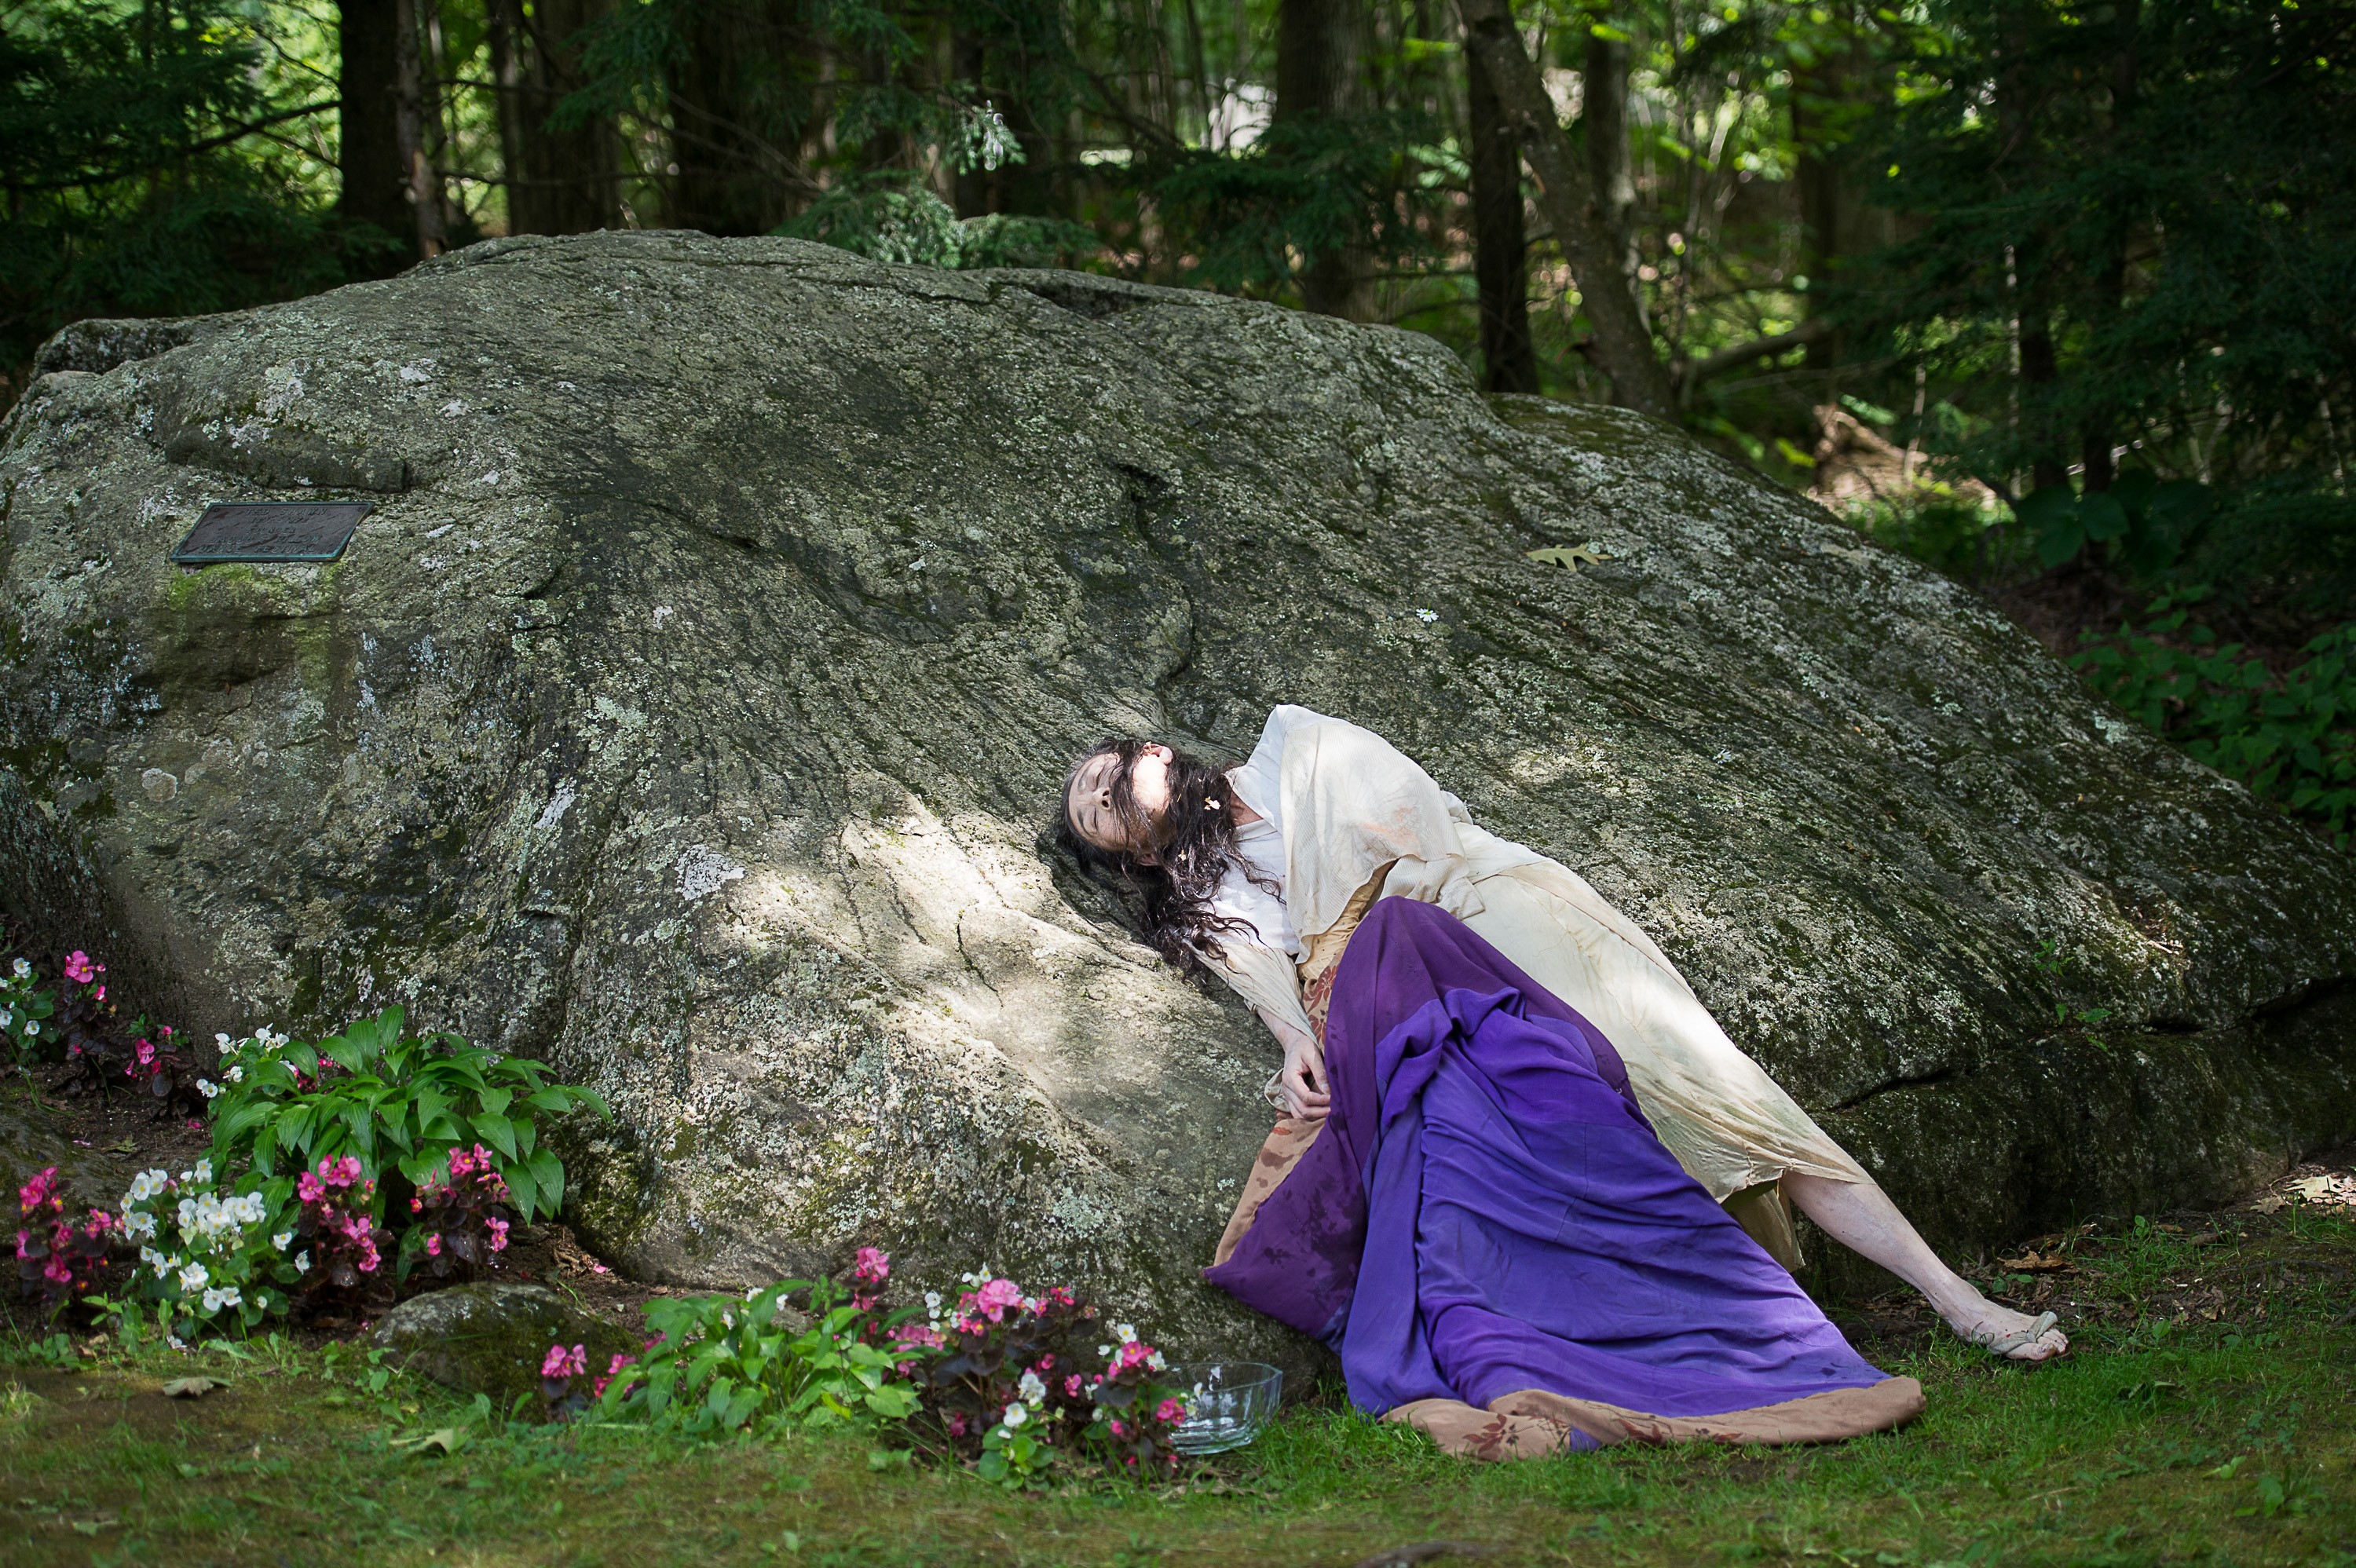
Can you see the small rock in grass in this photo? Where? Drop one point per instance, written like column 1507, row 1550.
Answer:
column 491, row 1339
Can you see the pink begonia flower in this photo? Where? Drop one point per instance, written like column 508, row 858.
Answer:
column 1170, row 1411
column 995, row 1297
column 499, row 1236
column 612, row 1371
column 307, row 1188
column 433, row 1247
column 1119, row 1430
column 101, row 993
column 1072, row 1386
column 78, row 968
column 41, row 1189
column 909, row 1334
column 871, row 1267
column 564, row 1363
column 956, row 1424
column 56, row 1271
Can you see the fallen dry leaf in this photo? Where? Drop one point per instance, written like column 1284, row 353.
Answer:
column 191, row 1387
column 2034, row 1261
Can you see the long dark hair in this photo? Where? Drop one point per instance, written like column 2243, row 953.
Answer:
column 1176, row 885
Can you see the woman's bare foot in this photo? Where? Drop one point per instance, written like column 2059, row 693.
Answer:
column 1984, row 1323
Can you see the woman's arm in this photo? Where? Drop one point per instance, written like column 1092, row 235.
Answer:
column 1302, row 1080
column 1268, row 980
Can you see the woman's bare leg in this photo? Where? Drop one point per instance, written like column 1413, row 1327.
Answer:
column 1861, row 1217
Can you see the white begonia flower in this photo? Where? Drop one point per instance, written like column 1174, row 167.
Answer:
column 207, row 1088
column 221, row 1041
column 1156, row 1362
column 24, row 969
column 7, row 1018
column 194, row 1277
column 235, row 1075
column 1126, row 1333
column 204, row 1171
column 302, row 1262
column 1030, row 1388
column 212, row 1301
column 933, row 1302
column 32, row 1027
column 1015, row 1416
column 1104, row 1349
column 281, row 1240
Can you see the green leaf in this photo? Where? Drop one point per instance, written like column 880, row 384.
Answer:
column 523, row 1191
column 497, row 1131
column 2102, row 517
column 550, row 1178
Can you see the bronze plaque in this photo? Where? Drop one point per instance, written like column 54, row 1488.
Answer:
column 271, row 530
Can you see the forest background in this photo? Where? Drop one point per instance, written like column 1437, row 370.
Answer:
column 2058, row 297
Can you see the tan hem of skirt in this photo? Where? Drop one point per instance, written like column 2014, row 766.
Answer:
column 1530, row 1424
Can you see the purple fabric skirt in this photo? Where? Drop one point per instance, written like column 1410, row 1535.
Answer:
column 1487, row 1209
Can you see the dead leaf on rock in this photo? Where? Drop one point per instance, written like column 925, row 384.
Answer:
column 191, row 1387
column 1570, row 558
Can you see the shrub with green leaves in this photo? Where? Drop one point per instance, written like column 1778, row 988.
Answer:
column 792, row 1356
column 396, row 1102
column 2292, row 739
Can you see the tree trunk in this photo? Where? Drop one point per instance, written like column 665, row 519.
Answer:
column 560, row 181
column 424, row 192
column 1612, row 173
column 2094, row 441
column 1321, row 62
column 1622, row 346
column 370, row 154
column 720, row 185
column 2039, row 369
column 1500, row 251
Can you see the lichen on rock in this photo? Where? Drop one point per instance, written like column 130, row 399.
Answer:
column 689, row 708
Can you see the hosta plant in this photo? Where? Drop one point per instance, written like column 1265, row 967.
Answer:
column 396, row 1102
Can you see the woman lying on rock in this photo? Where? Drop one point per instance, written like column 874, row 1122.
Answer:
column 1508, row 1193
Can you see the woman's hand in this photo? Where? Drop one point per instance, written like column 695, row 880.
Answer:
column 1307, row 1095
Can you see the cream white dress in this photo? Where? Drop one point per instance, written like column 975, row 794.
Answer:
column 1340, row 803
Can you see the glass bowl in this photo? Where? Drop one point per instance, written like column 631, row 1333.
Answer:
column 1227, row 1402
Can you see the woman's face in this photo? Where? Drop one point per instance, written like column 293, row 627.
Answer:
column 1090, row 807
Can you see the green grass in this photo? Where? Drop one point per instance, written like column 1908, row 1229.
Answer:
column 2158, row 1441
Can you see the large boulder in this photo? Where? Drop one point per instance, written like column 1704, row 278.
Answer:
column 688, row 710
